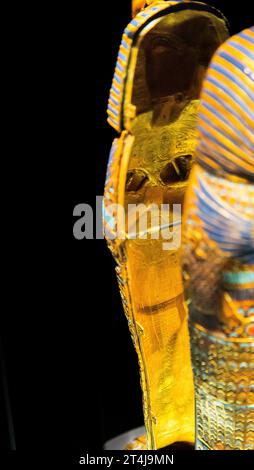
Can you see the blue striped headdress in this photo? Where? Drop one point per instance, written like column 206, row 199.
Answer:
column 226, row 117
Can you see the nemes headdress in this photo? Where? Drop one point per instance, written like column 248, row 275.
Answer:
column 226, row 118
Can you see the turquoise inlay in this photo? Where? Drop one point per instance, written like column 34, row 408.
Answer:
column 239, row 407
column 108, row 219
column 200, row 445
column 243, row 277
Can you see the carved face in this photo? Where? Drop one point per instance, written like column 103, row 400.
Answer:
column 162, row 155
column 171, row 65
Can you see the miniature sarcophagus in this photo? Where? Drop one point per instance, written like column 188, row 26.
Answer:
column 154, row 99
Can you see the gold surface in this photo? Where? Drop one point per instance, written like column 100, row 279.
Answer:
column 159, row 313
column 137, row 5
column 154, row 276
column 149, row 164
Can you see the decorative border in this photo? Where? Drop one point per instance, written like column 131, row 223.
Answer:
column 116, row 97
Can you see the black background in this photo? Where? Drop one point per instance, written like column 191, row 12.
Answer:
column 71, row 369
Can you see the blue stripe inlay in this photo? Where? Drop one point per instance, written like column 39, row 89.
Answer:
column 113, row 110
column 241, row 48
column 247, row 37
column 118, row 79
column 119, row 67
column 227, row 122
column 226, row 167
column 135, row 23
column 114, row 100
column 222, row 132
column 115, row 90
column 122, row 56
column 231, row 230
column 223, row 103
column 242, row 277
column 228, row 92
column 128, row 33
column 214, row 155
column 247, row 259
column 220, row 145
column 144, row 14
column 230, row 214
column 124, row 44
column 113, row 120
column 232, row 77
column 241, row 294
